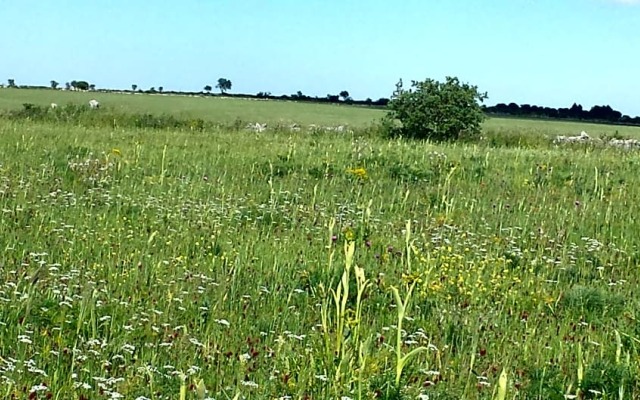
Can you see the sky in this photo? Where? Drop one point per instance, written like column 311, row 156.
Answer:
column 544, row 52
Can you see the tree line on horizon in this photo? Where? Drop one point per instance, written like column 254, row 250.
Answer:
column 576, row 112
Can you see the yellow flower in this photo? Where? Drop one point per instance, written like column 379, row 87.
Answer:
column 411, row 278
column 435, row 286
column 116, row 152
column 359, row 173
column 349, row 234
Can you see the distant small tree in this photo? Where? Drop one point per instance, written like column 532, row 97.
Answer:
column 11, row 83
column 208, row 88
column 224, row 84
column 153, row 89
column 436, row 110
column 92, row 87
column 54, row 85
column 74, row 84
column 160, row 89
column 134, row 87
column 82, row 85
column 67, row 85
column 345, row 95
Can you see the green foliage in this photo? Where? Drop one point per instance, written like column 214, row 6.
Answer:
column 514, row 139
column 435, row 110
column 80, row 85
column 591, row 303
column 544, row 383
column 224, row 85
column 603, row 376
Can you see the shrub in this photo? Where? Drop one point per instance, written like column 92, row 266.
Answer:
column 436, row 110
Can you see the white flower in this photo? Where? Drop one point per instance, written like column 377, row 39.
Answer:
column 38, row 388
column 24, row 339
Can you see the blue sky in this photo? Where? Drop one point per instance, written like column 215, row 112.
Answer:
column 545, row 52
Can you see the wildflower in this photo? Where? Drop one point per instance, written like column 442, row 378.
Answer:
column 359, row 173
column 38, row 388
column 349, row 234
column 24, row 339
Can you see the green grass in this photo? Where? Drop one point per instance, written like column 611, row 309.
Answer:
column 209, row 108
column 285, row 112
column 134, row 259
column 549, row 128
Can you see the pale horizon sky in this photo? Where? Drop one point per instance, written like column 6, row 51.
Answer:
column 543, row 52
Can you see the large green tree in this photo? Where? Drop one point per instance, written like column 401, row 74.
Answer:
column 436, row 110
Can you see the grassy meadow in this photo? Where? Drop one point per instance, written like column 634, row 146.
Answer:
column 177, row 264
column 225, row 110
column 210, row 108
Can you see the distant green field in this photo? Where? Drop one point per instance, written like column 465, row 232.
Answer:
column 228, row 109
column 208, row 108
column 553, row 128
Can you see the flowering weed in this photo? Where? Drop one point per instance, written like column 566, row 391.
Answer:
column 156, row 264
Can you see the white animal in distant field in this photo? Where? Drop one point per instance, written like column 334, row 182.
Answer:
column 54, row 105
column 94, row 103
